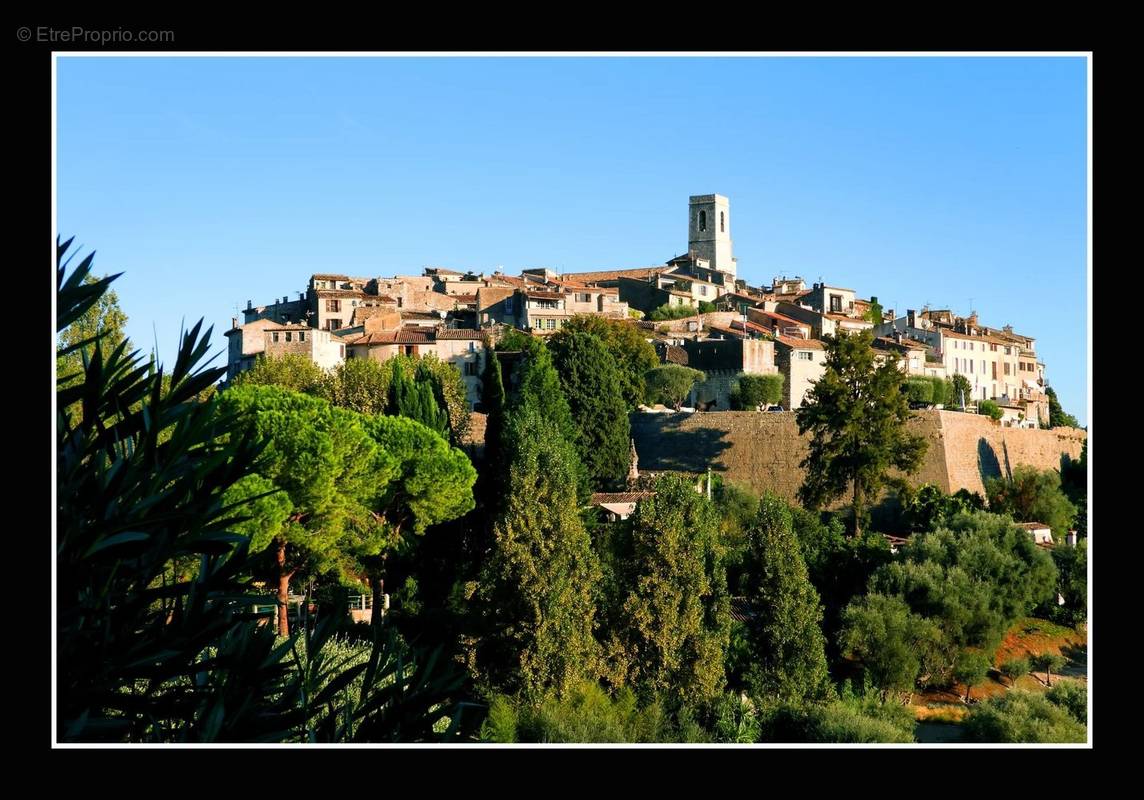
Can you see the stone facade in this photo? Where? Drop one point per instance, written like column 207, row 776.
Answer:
column 709, row 231
column 763, row 450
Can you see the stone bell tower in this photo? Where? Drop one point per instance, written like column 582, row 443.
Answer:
column 709, row 230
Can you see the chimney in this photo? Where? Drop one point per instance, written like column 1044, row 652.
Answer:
column 301, row 296
column 248, row 305
column 234, row 322
column 910, row 318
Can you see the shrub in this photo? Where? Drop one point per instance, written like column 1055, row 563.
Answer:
column 838, row 722
column 671, row 384
column 1022, row 717
column 1048, row 663
column 753, row 391
column 667, row 312
column 919, row 391
column 942, row 390
column 586, row 714
column 990, row 409
column 1015, row 668
column 1072, row 697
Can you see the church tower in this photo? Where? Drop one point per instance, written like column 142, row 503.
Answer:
column 709, row 230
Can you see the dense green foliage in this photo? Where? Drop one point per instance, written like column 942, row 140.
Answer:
column 1072, row 584
column 974, row 577
column 359, row 384
column 585, row 714
column 787, row 648
column 669, row 312
column 856, row 415
column 1032, row 495
column 894, row 645
column 927, row 507
column 628, row 345
column 536, row 586
column 990, row 409
column 1015, row 668
column 1072, row 696
column 671, row 384
column 291, row 371
column 919, row 392
column 324, row 461
column 417, row 400
column 752, row 391
column 960, row 391
column 1074, row 483
column 1047, row 663
column 149, row 651
column 874, row 313
column 942, row 390
column 432, row 391
column 1057, row 416
column 1018, row 716
column 846, row 721
column 971, row 669
column 839, row 567
column 675, row 622
column 590, row 379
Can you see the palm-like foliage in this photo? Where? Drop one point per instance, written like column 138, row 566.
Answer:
column 155, row 637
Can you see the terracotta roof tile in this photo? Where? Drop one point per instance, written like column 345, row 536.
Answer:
column 619, row 497
column 459, row 333
column 801, row 344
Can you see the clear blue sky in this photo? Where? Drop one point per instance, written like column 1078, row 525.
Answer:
column 211, row 181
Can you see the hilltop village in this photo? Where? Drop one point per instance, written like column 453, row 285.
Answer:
column 693, row 308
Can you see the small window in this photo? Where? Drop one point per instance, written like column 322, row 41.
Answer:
column 703, row 290
column 301, row 336
column 471, row 369
column 289, row 336
column 333, row 305
column 551, row 324
column 538, row 324
column 472, row 347
column 702, row 220
column 722, row 223
column 342, row 350
column 274, row 336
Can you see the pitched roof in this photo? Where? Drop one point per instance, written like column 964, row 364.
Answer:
column 1031, row 526
column 464, row 298
column 674, row 354
column 599, row 498
column 989, row 339
column 322, row 277
column 509, row 280
column 613, row 274
column 459, row 333
column 885, row 342
column 800, row 344
column 340, row 293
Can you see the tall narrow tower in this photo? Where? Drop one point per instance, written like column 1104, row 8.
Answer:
column 709, row 230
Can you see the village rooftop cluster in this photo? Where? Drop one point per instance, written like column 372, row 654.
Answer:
column 693, row 308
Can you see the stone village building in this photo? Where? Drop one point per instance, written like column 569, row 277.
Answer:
column 754, row 330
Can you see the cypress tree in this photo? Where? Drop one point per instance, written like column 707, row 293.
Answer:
column 788, row 656
column 590, row 380
column 675, row 625
column 536, row 588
